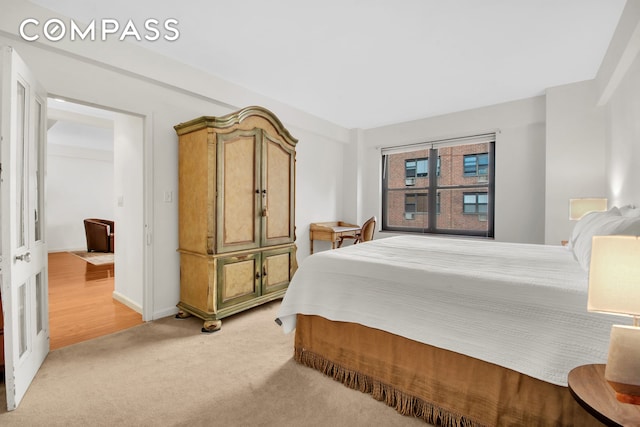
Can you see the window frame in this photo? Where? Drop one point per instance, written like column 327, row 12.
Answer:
column 417, row 204
column 477, row 165
column 415, row 168
column 476, row 204
column 486, row 182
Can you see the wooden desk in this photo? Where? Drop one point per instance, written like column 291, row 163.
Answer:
column 588, row 386
column 331, row 232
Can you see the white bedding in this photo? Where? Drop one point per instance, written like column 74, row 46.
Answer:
column 520, row 306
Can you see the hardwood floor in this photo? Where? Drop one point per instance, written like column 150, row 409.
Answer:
column 81, row 305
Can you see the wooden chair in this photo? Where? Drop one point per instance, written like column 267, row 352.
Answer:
column 364, row 235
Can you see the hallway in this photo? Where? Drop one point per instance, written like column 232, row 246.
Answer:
column 81, row 305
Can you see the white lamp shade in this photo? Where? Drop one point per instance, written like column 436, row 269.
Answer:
column 614, row 275
column 580, row 207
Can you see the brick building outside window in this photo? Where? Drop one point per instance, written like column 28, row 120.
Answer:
column 458, row 188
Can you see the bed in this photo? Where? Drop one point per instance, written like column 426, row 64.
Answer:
column 455, row 331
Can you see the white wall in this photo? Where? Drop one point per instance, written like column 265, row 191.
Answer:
column 575, row 154
column 520, row 145
column 127, row 78
column 128, row 199
column 593, row 131
column 319, row 185
column 619, row 84
column 78, row 185
column 623, row 150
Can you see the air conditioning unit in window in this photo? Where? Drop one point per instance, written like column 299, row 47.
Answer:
column 409, row 181
column 409, row 215
column 483, row 178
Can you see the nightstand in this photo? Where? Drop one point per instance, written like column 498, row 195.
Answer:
column 588, row 386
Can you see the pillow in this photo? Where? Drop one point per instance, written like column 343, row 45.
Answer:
column 604, row 226
column 630, row 211
column 588, row 221
column 625, row 208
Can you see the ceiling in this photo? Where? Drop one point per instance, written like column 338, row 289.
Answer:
column 368, row 63
column 76, row 125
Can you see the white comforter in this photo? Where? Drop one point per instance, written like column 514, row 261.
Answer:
column 520, row 306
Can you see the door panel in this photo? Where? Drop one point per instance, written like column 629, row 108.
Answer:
column 278, row 164
column 276, row 269
column 238, row 191
column 23, row 244
column 238, row 279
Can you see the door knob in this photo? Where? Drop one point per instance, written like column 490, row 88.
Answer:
column 24, row 257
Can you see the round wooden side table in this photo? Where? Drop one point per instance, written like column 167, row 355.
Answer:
column 588, row 386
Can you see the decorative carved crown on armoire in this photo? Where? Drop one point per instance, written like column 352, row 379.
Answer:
column 236, row 213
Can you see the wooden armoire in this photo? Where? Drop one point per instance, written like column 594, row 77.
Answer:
column 236, row 213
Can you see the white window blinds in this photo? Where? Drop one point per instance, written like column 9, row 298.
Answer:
column 450, row 142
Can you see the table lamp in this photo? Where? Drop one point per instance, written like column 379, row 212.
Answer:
column 614, row 287
column 580, row 207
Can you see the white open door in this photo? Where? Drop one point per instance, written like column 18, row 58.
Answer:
column 23, row 250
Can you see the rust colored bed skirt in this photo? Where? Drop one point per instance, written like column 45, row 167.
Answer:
column 439, row 386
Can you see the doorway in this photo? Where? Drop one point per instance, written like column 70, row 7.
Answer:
column 94, row 170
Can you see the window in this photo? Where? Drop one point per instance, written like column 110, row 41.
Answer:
column 475, row 203
column 416, row 168
column 415, row 203
column 413, row 187
column 476, row 164
column 418, row 204
column 410, row 203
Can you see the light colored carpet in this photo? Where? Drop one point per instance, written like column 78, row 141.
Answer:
column 95, row 258
column 167, row 373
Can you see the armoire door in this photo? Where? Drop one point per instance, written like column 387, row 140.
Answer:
column 278, row 192
column 238, row 190
column 276, row 269
column 238, row 278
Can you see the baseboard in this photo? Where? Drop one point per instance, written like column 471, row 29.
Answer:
column 126, row 301
column 170, row 311
column 167, row 312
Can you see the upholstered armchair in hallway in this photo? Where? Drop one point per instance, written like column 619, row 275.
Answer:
column 100, row 235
